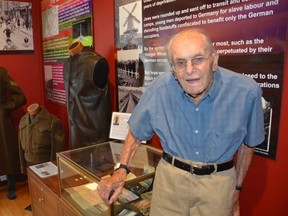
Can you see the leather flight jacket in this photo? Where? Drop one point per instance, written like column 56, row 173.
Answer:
column 87, row 98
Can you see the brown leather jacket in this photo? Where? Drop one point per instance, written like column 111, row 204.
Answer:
column 87, row 97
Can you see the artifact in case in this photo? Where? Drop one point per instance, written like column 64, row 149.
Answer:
column 80, row 171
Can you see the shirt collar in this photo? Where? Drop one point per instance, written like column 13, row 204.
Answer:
column 215, row 88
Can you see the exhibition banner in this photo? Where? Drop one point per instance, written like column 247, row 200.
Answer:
column 249, row 36
column 63, row 22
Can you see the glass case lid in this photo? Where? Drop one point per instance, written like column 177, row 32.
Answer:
column 99, row 159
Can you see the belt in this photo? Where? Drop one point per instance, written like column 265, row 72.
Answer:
column 198, row 169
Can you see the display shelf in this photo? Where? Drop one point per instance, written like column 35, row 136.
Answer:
column 80, row 171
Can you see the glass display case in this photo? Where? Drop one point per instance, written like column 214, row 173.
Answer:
column 80, row 171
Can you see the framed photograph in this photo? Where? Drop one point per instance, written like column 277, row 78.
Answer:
column 16, row 29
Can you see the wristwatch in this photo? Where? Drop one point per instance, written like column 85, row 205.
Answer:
column 119, row 165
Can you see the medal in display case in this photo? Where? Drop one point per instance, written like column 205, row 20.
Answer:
column 80, row 171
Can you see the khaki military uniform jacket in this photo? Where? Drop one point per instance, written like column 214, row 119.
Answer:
column 11, row 98
column 41, row 139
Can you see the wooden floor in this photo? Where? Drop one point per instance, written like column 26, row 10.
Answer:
column 17, row 206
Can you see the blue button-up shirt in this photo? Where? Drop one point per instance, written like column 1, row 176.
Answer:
column 230, row 114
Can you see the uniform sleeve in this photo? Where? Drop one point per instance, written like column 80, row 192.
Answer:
column 16, row 97
column 141, row 120
column 57, row 138
column 23, row 164
column 255, row 128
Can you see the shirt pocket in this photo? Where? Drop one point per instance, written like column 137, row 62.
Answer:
column 222, row 145
column 41, row 138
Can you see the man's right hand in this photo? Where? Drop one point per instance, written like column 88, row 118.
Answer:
column 110, row 188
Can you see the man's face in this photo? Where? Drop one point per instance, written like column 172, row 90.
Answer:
column 196, row 75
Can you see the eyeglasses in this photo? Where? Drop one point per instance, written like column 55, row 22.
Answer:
column 181, row 64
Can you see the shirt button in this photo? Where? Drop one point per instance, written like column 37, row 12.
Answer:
column 196, row 131
column 197, row 153
column 197, row 109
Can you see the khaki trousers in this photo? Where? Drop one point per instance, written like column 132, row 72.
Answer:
column 177, row 192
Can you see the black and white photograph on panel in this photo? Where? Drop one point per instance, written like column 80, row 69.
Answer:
column 130, row 73
column 130, row 26
column 128, row 98
column 130, row 70
column 265, row 147
column 16, row 27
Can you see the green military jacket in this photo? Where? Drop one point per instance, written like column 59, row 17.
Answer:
column 40, row 139
column 11, row 98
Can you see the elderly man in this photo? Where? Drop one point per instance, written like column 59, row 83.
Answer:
column 203, row 115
